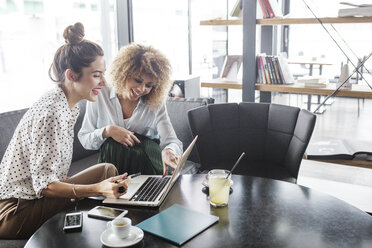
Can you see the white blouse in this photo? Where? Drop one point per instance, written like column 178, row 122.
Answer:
column 152, row 123
column 40, row 151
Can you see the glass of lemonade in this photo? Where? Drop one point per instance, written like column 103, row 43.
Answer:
column 219, row 187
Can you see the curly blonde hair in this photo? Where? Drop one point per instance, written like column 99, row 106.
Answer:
column 134, row 60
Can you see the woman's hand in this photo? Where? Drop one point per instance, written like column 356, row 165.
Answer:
column 169, row 159
column 110, row 189
column 121, row 135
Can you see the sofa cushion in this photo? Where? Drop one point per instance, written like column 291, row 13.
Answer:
column 12, row 243
column 10, row 120
column 79, row 151
column 82, row 164
column 8, row 123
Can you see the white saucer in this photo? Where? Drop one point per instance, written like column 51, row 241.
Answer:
column 205, row 183
column 108, row 238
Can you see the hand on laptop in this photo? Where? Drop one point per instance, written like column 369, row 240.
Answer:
column 170, row 159
column 110, row 187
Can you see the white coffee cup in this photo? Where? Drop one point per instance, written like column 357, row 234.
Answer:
column 120, row 226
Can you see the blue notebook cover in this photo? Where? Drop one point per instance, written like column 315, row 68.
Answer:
column 177, row 224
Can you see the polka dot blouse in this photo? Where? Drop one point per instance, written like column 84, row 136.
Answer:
column 40, row 151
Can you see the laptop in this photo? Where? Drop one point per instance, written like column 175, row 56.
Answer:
column 151, row 190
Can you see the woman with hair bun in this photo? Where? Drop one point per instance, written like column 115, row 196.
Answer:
column 33, row 180
column 129, row 122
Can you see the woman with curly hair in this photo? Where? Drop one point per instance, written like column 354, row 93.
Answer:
column 33, row 181
column 129, row 122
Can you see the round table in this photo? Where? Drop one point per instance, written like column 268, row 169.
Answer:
column 261, row 213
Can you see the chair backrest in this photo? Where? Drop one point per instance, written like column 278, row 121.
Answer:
column 177, row 110
column 268, row 133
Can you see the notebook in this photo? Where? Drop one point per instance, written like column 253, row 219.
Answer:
column 150, row 190
column 177, row 224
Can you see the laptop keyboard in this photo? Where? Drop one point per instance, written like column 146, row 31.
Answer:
column 150, row 190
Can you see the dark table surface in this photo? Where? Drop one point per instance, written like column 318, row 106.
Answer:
column 261, row 213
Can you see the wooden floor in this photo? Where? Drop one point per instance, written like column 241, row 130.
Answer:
column 345, row 118
column 348, row 183
column 342, row 119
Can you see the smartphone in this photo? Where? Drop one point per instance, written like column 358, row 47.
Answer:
column 73, row 222
column 106, row 213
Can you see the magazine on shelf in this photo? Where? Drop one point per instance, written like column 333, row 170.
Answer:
column 357, row 11
column 356, row 5
column 340, row 149
column 313, row 81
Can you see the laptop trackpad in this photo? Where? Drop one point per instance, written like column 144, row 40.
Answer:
column 132, row 188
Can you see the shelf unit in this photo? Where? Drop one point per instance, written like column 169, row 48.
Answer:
column 249, row 23
column 290, row 21
column 357, row 91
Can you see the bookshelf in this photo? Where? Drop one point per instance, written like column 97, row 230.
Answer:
column 249, row 23
column 357, row 91
column 290, row 21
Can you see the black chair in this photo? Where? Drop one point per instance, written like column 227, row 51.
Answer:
column 273, row 137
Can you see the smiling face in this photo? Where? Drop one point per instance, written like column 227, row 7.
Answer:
column 91, row 81
column 137, row 87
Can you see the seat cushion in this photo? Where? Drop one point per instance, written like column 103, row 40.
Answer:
column 12, row 243
column 82, row 164
column 8, row 123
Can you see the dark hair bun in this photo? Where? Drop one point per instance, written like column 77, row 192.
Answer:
column 74, row 34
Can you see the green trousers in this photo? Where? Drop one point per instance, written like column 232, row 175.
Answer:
column 145, row 157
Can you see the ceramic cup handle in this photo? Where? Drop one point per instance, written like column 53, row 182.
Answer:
column 109, row 224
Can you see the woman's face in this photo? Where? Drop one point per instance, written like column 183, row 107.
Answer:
column 138, row 86
column 91, row 81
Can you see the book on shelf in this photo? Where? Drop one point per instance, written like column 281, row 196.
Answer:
column 356, row 11
column 231, row 67
column 237, row 11
column 280, row 70
column 265, row 70
column 340, row 149
column 260, row 77
column 265, row 13
column 272, row 70
column 270, row 8
column 313, row 81
column 287, row 75
column 276, row 8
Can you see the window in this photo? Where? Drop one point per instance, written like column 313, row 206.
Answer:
column 30, row 33
column 313, row 42
column 164, row 25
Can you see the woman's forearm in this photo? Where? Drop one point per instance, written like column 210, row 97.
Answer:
column 61, row 189
column 107, row 131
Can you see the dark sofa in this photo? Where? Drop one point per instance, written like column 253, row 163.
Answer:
column 81, row 159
